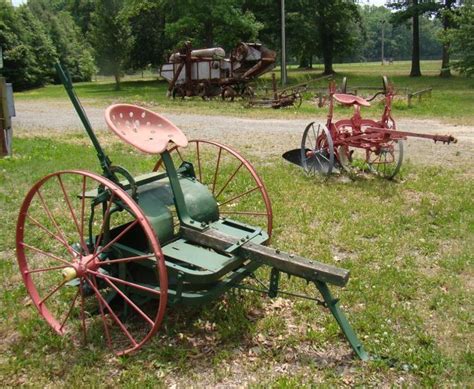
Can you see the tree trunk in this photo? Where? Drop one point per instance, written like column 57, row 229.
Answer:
column 445, row 70
column 328, row 64
column 303, row 62
column 415, row 55
column 117, row 80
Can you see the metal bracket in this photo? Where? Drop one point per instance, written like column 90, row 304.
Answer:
column 274, row 280
column 242, row 241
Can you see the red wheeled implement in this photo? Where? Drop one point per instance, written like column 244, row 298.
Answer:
column 323, row 147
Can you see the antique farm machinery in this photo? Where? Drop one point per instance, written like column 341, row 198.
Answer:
column 105, row 255
column 356, row 142
column 207, row 73
column 288, row 97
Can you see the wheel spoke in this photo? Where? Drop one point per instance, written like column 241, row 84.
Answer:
column 65, row 244
column 67, row 263
column 118, row 237
column 112, row 313
column 199, row 161
column 45, row 269
column 83, row 314
column 70, row 309
column 123, row 282
column 102, row 227
column 61, row 284
column 53, row 220
column 239, row 196
column 216, row 171
column 229, row 180
column 130, row 302
column 125, row 260
column 73, row 214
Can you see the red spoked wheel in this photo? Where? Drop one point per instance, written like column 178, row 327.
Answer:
column 239, row 191
column 386, row 160
column 73, row 240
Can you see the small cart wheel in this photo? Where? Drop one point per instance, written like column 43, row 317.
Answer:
column 247, row 93
column 73, row 240
column 228, row 93
column 179, row 92
column 298, row 100
column 317, row 150
column 387, row 160
column 233, row 181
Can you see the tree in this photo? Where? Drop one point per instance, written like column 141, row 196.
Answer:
column 301, row 32
column 210, row 23
column 146, row 19
column 446, row 13
column 336, row 22
column 29, row 54
column 110, row 36
column 413, row 9
column 462, row 40
column 73, row 51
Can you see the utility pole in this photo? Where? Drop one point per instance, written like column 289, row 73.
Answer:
column 283, row 44
column 383, row 39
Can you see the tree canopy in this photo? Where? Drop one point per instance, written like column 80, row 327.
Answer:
column 115, row 36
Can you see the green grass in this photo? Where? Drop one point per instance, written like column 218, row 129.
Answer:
column 408, row 245
column 452, row 99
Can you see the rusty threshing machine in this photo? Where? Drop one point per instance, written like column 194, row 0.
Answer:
column 103, row 256
column 207, row 73
column 339, row 143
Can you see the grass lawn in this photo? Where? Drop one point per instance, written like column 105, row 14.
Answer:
column 408, row 245
column 452, row 99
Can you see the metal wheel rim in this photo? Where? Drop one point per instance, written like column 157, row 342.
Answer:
column 320, row 143
column 378, row 167
column 81, row 260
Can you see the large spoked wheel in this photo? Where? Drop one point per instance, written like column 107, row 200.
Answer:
column 239, row 191
column 317, row 150
column 73, row 240
column 387, row 160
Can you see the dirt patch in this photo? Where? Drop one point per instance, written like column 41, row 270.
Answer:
column 253, row 137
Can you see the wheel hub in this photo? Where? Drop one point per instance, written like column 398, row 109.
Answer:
column 80, row 267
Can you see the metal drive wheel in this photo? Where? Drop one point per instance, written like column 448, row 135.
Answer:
column 387, row 160
column 72, row 236
column 317, row 150
column 233, row 181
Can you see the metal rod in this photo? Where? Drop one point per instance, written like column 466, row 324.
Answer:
column 103, row 158
column 283, row 44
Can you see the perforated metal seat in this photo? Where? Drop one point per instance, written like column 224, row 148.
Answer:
column 146, row 130
column 351, row 100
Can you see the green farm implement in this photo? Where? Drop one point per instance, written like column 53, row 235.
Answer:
column 103, row 256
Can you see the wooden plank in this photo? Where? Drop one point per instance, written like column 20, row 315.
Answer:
column 288, row 263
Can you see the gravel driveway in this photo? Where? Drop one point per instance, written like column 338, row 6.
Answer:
column 256, row 136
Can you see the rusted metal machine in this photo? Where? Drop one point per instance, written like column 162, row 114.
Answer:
column 337, row 144
column 288, row 97
column 207, row 73
column 105, row 255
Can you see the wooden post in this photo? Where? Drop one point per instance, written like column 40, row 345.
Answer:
column 5, row 120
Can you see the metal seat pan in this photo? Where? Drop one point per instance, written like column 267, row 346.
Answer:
column 351, row 99
column 146, row 130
